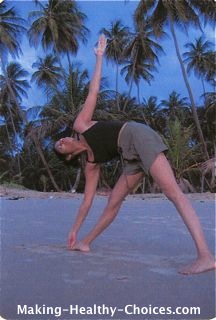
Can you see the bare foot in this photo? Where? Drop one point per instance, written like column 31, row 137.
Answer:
column 80, row 246
column 200, row 265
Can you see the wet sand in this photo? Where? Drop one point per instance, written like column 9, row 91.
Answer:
column 135, row 262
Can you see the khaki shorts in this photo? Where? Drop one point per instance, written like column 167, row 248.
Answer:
column 139, row 146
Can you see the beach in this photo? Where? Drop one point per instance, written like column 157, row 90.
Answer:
column 131, row 272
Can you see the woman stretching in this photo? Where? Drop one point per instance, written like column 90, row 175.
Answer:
column 141, row 149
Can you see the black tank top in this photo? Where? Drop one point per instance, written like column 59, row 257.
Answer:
column 102, row 138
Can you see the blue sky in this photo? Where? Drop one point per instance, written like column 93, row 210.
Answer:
column 100, row 14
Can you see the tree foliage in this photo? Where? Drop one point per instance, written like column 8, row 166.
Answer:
column 28, row 135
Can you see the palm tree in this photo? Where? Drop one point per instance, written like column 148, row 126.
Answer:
column 136, row 72
column 208, row 167
column 8, row 165
column 13, row 87
column 181, row 13
column 152, row 114
column 11, row 84
column 57, row 115
column 175, row 106
column 11, row 28
column 59, row 26
column 117, row 38
column 34, row 135
column 183, row 153
column 106, row 110
column 197, row 57
column 205, row 9
column 210, row 70
column 208, row 115
column 59, row 111
column 141, row 54
column 210, row 99
column 48, row 75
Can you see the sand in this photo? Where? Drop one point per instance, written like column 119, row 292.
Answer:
column 134, row 263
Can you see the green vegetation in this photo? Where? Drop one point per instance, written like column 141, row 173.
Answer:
column 27, row 137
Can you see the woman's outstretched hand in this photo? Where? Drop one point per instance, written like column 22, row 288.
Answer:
column 101, row 47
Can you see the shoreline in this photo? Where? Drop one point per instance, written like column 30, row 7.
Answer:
column 16, row 194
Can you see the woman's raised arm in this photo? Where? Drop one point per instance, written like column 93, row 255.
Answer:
column 84, row 118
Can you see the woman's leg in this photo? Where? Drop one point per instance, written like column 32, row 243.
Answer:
column 164, row 177
column 123, row 186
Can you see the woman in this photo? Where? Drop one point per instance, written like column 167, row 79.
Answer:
column 142, row 152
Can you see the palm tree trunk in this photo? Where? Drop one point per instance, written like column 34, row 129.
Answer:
column 69, row 61
column 138, row 93
column 117, row 93
column 63, row 71
column 129, row 93
column 37, row 144
column 193, row 106
column 143, row 185
column 77, row 181
column 204, row 91
column 59, row 59
column 9, row 143
column 9, row 139
column 117, row 80
column 131, row 84
column 203, row 85
column 12, row 121
column 16, row 147
column 71, row 88
column 40, row 152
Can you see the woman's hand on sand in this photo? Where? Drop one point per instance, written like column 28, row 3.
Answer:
column 101, row 47
column 72, row 238
column 81, row 246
